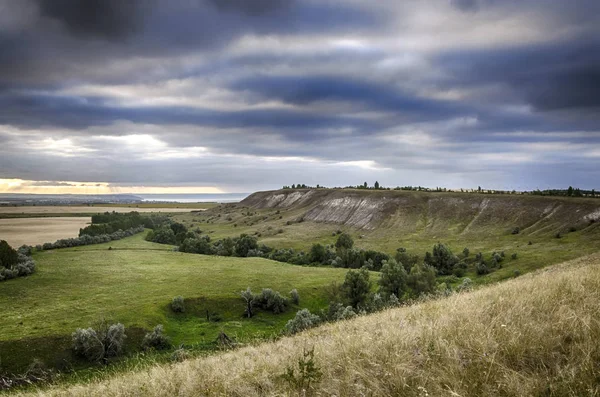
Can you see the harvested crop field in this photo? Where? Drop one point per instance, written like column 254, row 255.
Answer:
column 84, row 209
column 34, row 231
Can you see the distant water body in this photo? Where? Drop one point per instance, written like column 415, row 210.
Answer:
column 195, row 198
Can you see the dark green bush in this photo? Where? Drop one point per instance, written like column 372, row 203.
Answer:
column 392, row 279
column 421, row 279
column 482, row 269
column 356, row 286
column 443, row 260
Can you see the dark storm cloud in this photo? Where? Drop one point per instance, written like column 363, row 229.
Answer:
column 549, row 77
column 251, row 7
column 195, row 90
column 302, row 90
column 38, row 110
column 111, row 19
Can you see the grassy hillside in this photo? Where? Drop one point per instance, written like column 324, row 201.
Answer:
column 387, row 220
column 134, row 283
column 536, row 335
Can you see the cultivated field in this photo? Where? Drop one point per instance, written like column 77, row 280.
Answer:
column 84, row 209
column 134, row 283
column 34, row 231
column 536, row 335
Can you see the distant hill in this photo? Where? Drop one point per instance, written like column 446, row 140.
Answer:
column 434, row 213
column 62, row 199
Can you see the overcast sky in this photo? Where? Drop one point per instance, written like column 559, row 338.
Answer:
column 238, row 95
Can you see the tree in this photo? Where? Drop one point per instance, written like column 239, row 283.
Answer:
column 570, row 191
column 244, row 244
column 248, row 297
column 393, row 279
column 8, row 255
column 318, row 253
column 344, row 241
column 376, row 185
column 443, row 260
column 356, row 286
column 421, row 279
column 405, row 259
column 365, row 185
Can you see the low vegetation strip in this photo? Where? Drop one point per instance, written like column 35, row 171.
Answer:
column 534, row 335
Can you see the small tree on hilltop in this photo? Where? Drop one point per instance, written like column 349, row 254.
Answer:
column 376, row 185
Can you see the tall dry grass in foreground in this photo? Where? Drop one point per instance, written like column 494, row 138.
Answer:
column 537, row 335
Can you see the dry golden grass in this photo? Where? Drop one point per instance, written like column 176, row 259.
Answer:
column 537, row 335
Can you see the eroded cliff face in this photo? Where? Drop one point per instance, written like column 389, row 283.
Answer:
column 435, row 212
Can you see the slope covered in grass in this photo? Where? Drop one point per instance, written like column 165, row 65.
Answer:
column 536, row 335
column 134, row 283
column 387, row 220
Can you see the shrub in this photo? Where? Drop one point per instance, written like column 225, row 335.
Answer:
column 271, row 300
column 25, row 250
column 517, row 273
column 393, row 279
column 307, row 374
column 156, row 339
column 244, row 244
column 393, row 301
column 407, row 260
column 180, row 354
column 443, row 260
column 514, row 255
column 356, row 286
column 101, row 344
column 421, row 279
column 337, row 312
column 162, row 235
column 178, row 304
column 466, row 252
column 516, row 230
column 344, row 241
column 295, row 297
column 482, row 269
column 466, row 285
column 303, row 320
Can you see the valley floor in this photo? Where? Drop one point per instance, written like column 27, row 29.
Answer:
column 536, row 335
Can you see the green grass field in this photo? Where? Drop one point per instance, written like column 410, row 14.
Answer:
column 133, row 283
column 280, row 229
